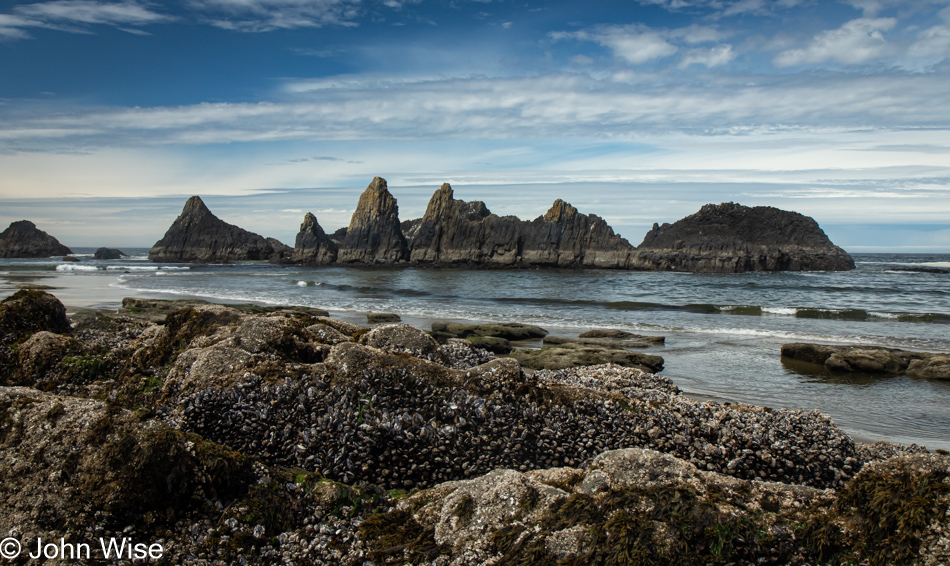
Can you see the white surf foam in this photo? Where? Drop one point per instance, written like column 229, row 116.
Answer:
column 780, row 311
column 70, row 267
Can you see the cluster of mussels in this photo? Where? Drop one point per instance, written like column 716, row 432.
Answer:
column 401, row 427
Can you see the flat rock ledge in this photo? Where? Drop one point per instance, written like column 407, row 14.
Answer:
column 871, row 360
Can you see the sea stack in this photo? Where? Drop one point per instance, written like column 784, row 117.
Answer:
column 564, row 237
column 24, row 239
column 200, row 236
column 731, row 238
column 374, row 235
column 313, row 246
column 457, row 232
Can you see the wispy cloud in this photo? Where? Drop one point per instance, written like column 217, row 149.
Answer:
column 503, row 108
column 857, row 41
column 638, row 44
column 267, row 15
column 78, row 16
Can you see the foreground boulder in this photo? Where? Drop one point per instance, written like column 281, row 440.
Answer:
column 24, row 239
column 197, row 235
column 864, row 359
column 731, row 238
column 637, row 506
column 374, row 235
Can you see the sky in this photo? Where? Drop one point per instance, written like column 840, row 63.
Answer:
column 113, row 113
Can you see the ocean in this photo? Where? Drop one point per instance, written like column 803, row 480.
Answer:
column 724, row 332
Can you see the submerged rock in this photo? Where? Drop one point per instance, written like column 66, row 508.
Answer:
column 507, row 330
column 382, row 317
column 197, row 235
column 24, row 239
column 865, row 359
column 731, row 238
column 570, row 355
column 374, row 235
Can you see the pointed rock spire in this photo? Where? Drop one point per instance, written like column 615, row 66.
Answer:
column 197, row 235
column 313, row 246
column 374, row 235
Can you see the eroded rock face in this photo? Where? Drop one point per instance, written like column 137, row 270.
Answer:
column 197, row 235
column 313, row 246
column 564, row 237
column 374, row 235
column 731, row 238
column 456, row 232
column 24, row 239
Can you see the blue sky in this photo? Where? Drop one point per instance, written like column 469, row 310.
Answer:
column 112, row 113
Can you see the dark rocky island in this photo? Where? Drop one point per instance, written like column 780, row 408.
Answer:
column 197, row 235
column 109, row 253
column 725, row 238
column 731, row 238
column 245, row 435
column 23, row 239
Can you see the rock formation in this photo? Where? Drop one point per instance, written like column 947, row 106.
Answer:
column 374, row 235
column 313, row 246
column 731, row 238
column 458, row 232
column 109, row 253
column 24, row 239
column 257, row 435
column 870, row 359
column 563, row 237
column 200, row 236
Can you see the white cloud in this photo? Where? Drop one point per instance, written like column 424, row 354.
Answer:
column 857, row 41
column 92, row 12
column 635, row 43
column 932, row 42
column 556, row 105
column 77, row 16
column 712, row 57
column 698, row 34
column 267, row 15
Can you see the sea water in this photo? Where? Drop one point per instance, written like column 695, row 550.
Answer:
column 724, row 332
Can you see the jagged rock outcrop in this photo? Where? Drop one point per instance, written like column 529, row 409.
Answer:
column 563, row 237
column 197, row 235
column 24, row 239
column 458, row 232
column 731, row 238
column 313, row 246
column 374, row 235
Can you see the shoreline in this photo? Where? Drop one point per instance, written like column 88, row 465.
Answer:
column 358, row 318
